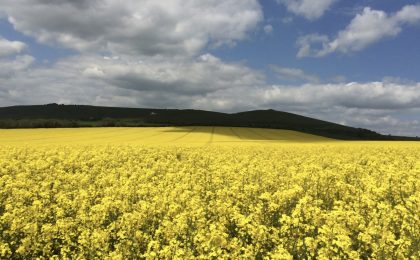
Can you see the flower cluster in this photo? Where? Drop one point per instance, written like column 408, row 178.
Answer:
column 326, row 200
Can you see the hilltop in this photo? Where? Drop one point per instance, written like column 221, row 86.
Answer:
column 54, row 115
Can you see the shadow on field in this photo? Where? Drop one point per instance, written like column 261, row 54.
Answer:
column 236, row 134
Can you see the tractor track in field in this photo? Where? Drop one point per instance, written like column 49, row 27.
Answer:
column 235, row 133
column 182, row 136
column 213, row 129
column 259, row 134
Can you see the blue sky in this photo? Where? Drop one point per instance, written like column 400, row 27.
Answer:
column 351, row 62
column 392, row 57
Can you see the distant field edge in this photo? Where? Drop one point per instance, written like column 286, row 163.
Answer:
column 51, row 124
column 76, row 116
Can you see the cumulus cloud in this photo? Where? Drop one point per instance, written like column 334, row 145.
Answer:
column 155, row 56
column 8, row 48
column 268, row 29
column 310, row 9
column 207, row 82
column 10, row 66
column 203, row 74
column 146, row 27
column 372, row 95
column 84, row 79
column 378, row 106
column 382, row 109
column 365, row 29
column 306, row 45
column 293, row 74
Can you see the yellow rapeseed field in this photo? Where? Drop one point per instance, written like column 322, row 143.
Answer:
column 205, row 192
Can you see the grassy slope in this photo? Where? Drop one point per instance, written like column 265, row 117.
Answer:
column 53, row 115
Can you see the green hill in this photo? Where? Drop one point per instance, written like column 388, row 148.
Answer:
column 54, row 115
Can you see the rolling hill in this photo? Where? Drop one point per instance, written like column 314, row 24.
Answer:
column 54, row 115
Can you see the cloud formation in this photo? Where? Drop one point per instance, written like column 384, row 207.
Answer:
column 294, row 74
column 9, row 62
column 268, row 29
column 210, row 83
column 162, row 80
column 8, row 48
column 135, row 27
column 365, row 29
column 310, row 9
column 8, row 67
column 379, row 110
column 204, row 74
column 149, row 54
column 372, row 95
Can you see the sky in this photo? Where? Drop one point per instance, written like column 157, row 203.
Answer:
column 351, row 62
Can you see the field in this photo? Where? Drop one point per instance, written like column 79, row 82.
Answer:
column 153, row 136
column 205, row 192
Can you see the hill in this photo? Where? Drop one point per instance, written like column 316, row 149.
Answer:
column 54, row 115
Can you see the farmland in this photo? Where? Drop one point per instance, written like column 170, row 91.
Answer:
column 202, row 192
column 153, row 136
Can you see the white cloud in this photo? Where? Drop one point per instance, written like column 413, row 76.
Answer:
column 408, row 14
column 155, row 82
column 378, row 106
column 372, row 95
column 365, row 29
column 293, row 74
column 310, row 9
column 268, row 29
column 381, row 122
column 154, row 58
column 381, row 109
column 374, row 105
column 146, row 27
column 10, row 66
column 93, row 71
column 209, row 83
column 204, row 74
column 306, row 43
column 8, row 48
